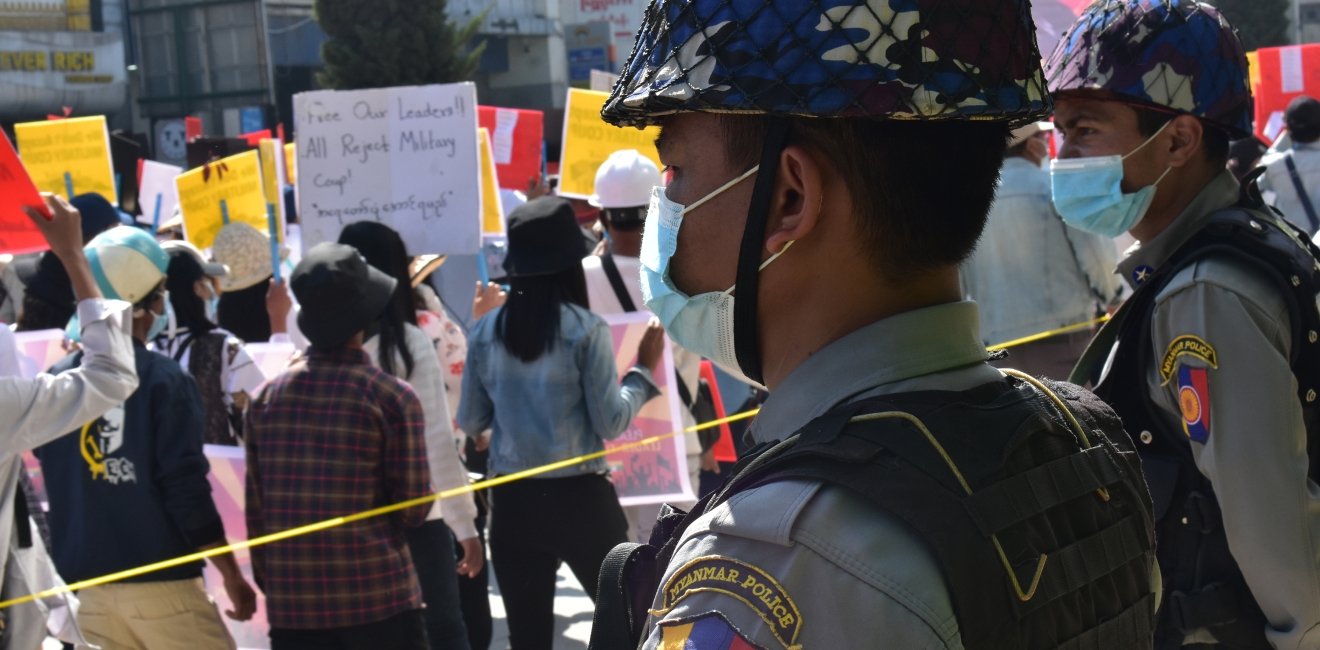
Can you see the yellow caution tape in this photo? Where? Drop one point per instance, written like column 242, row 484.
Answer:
column 340, row 521
column 1050, row 333
column 430, row 498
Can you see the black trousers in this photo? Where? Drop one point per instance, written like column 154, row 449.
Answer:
column 474, row 593
column 432, row 548
column 406, row 631
column 536, row 524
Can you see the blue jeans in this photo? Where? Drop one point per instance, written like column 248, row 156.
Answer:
column 432, row 548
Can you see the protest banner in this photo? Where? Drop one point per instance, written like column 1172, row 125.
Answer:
column 516, row 138
column 588, row 141
column 72, row 153
column 492, row 211
column 271, row 152
column 1280, row 74
column 157, row 188
column 405, row 157
column 228, row 189
column 657, row 472
column 38, row 351
column 228, row 476
column 18, row 235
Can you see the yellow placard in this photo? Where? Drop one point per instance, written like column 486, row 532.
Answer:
column 291, row 163
column 588, row 141
column 1253, row 70
column 236, row 180
column 272, row 179
column 492, row 209
column 270, row 171
column 79, row 147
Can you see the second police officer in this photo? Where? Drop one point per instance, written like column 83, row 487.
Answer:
column 831, row 164
column 1212, row 363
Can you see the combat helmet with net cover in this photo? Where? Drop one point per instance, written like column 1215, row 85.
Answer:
column 1170, row 55
column 895, row 59
column 924, row 61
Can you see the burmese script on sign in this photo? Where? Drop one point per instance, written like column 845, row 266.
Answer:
column 405, row 157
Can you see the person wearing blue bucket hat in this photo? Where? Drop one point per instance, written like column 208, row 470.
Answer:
column 830, row 164
column 135, row 480
column 1219, row 357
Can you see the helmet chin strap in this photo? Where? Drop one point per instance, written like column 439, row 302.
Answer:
column 746, row 333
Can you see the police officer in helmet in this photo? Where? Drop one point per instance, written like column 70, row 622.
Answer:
column 904, row 493
column 1212, row 362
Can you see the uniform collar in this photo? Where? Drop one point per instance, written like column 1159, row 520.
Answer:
column 908, row 345
column 1145, row 257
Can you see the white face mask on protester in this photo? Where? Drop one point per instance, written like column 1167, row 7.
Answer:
column 702, row 323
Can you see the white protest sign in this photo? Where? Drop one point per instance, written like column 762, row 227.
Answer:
column 406, row 157
column 158, row 181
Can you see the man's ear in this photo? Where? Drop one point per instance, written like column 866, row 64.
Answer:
column 799, row 198
column 1183, row 136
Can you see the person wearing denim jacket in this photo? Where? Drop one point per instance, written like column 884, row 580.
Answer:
column 541, row 374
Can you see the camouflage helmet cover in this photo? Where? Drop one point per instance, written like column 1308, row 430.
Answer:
column 1173, row 54
column 896, row 59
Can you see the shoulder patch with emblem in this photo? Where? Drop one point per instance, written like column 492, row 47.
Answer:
column 741, row 582
column 706, row 632
column 1187, row 345
column 1194, row 402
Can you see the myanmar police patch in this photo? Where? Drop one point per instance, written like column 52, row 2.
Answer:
column 1194, row 402
column 742, row 582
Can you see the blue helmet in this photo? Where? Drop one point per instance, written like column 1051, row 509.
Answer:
column 1171, row 54
column 894, row 59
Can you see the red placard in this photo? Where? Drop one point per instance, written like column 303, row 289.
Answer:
column 724, row 450
column 1285, row 73
column 192, row 128
column 254, row 138
column 17, row 233
column 516, row 136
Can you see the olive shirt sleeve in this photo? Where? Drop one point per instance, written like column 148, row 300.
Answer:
column 796, row 564
column 1221, row 334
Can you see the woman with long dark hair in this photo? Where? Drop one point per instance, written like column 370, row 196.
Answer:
column 541, row 374
column 225, row 373
column 400, row 348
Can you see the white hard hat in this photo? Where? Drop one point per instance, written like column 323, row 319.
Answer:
column 126, row 262
column 625, row 180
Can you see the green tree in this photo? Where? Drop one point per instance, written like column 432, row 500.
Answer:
column 380, row 43
column 1260, row 23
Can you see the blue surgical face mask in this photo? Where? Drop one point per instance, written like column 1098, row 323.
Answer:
column 159, row 321
column 1088, row 193
column 213, row 306
column 702, row 323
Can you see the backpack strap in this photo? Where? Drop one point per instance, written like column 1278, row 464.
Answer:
column 1302, row 194
column 620, row 615
column 616, row 282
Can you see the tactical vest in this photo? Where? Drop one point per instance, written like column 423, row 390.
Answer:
column 1029, row 497
column 1204, row 588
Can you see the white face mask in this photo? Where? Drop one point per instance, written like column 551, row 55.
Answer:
column 702, row 323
